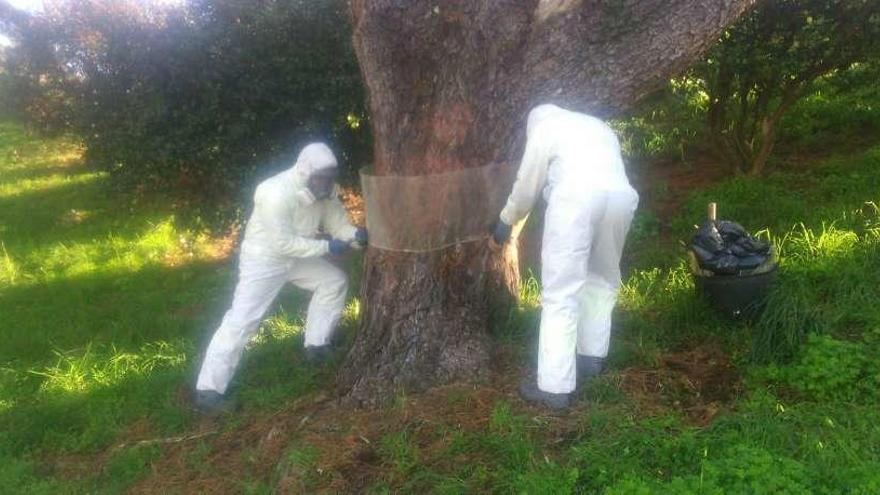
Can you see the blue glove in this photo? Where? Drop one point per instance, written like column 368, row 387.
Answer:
column 361, row 236
column 338, row 247
column 501, row 232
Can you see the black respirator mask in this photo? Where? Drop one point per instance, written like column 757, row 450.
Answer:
column 321, row 182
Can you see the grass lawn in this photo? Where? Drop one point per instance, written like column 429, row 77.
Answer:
column 106, row 302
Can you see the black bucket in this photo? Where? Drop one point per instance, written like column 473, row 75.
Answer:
column 737, row 296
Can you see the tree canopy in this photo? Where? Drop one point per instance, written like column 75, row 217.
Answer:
column 201, row 98
column 768, row 60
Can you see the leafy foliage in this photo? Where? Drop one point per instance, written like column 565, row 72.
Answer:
column 203, row 98
column 830, row 369
column 668, row 125
column 781, row 50
column 769, row 60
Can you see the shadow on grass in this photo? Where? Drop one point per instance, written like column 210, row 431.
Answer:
column 83, row 357
column 125, row 310
column 72, row 212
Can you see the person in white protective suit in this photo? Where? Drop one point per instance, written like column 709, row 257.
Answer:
column 280, row 246
column 575, row 159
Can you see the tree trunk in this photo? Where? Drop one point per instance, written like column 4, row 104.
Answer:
column 790, row 96
column 450, row 84
column 767, row 140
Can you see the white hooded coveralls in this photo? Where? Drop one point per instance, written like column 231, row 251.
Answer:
column 280, row 246
column 576, row 160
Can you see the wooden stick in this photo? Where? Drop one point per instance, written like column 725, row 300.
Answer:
column 166, row 440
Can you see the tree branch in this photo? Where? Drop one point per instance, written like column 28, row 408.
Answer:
column 450, row 82
column 613, row 56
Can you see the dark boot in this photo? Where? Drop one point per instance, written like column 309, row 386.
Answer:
column 319, row 354
column 530, row 392
column 211, row 403
column 589, row 367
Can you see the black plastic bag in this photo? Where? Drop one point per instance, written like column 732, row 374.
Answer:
column 709, row 239
column 726, row 248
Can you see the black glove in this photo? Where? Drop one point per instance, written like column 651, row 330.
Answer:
column 338, row 247
column 501, row 232
column 361, row 236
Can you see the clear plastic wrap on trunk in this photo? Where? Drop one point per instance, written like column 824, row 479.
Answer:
column 430, row 212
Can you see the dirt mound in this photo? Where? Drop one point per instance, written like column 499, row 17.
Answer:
column 700, row 382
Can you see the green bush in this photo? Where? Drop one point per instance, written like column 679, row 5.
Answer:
column 668, row 125
column 844, row 107
column 751, row 470
column 548, row 478
column 202, row 99
column 742, row 469
column 829, row 369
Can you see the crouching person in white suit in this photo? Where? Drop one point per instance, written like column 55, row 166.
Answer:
column 575, row 160
column 280, row 246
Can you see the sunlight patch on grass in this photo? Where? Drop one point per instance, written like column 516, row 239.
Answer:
column 278, row 326
column 169, row 245
column 44, row 183
column 159, row 244
column 9, row 270
column 74, row 217
column 803, row 244
column 812, row 249
column 530, row 292
column 59, row 223
column 644, row 289
column 352, row 311
column 93, row 368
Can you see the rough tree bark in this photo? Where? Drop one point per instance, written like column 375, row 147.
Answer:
column 450, row 83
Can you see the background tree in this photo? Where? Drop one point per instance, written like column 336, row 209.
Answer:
column 769, row 60
column 31, row 72
column 204, row 98
column 473, row 69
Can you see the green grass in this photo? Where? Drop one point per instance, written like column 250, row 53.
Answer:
column 106, row 303
column 806, row 419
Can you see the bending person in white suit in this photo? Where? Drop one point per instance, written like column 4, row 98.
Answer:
column 575, row 159
column 280, row 246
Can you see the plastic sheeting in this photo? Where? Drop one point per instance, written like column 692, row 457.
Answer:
column 725, row 248
column 430, row 212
